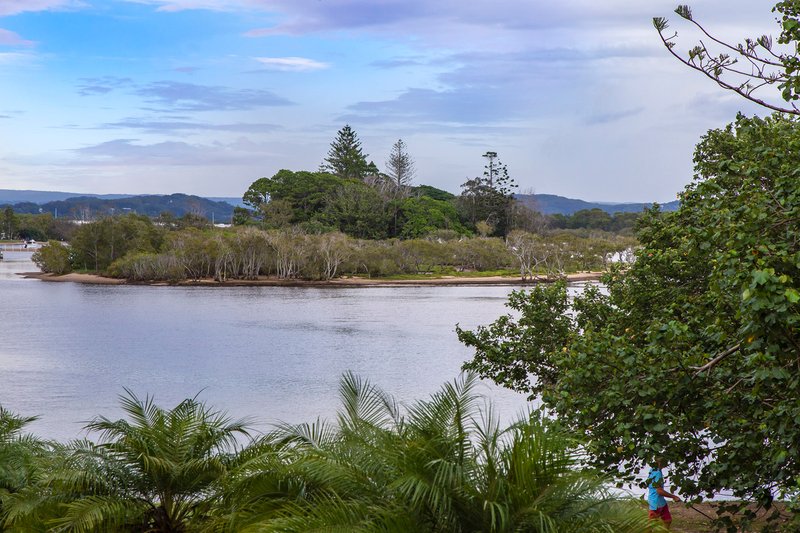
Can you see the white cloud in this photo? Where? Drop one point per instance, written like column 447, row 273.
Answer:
column 9, row 38
column 14, row 7
column 291, row 64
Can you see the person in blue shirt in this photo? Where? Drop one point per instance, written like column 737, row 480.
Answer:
column 657, row 496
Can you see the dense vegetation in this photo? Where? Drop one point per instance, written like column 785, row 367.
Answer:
column 137, row 249
column 440, row 465
column 348, row 219
column 39, row 227
column 694, row 352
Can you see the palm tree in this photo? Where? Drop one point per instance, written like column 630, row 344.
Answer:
column 442, row 465
column 157, row 471
column 21, row 458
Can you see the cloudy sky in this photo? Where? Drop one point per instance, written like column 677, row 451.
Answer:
column 578, row 97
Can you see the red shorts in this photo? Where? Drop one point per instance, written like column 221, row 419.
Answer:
column 662, row 513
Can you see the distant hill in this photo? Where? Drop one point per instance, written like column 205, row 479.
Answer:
column 551, row 204
column 86, row 207
column 234, row 201
column 10, row 196
column 221, row 208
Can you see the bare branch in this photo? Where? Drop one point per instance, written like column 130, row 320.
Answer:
column 738, row 50
column 768, row 66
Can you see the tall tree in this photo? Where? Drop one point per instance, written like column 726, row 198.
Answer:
column 345, row 158
column 493, row 170
column 490, row 198
column 8, row 223
column 400, row 165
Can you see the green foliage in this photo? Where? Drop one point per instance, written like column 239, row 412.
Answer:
column 306, row 193
column 9, row 224
column 440, row 465
column 316, row 250
column 596, row 219
column 420, row 216
column 143, row 266
column 258, row 193
column 693, row 353
column 19, row 453
column 43, row 227
column 156, row 471
column 489, row 199
column 53, row 257
column 98, row 244
column 592, row 219
column 241, row 216
column 433, row 192
column 168, row 221
column 481, row 253
column 358, row 210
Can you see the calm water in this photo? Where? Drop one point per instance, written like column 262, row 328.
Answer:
column 273, row 353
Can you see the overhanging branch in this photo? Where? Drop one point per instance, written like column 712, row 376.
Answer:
column 714, row 362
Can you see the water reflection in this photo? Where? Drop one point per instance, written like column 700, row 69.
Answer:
column 276, row 353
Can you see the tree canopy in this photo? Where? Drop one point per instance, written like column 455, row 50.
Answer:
column 489, row 199
column 694, row 352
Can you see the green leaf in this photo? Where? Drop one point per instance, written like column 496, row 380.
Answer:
column 760, row 277
column 792, row 295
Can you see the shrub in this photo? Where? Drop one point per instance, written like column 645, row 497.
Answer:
column 54, row 258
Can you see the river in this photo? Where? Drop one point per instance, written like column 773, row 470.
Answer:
column 67, row 350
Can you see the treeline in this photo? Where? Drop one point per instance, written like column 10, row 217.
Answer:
column 439, row 465
column 596, row 219
column 349, row 194
column 375, row 207
column 135, row 248
column 40, row 227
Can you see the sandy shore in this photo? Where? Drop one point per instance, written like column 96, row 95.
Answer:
column 94, row 279
column 91, row 279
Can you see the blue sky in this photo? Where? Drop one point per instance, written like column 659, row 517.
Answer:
column 578, row 97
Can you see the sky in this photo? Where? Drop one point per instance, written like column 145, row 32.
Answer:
column 578, row 97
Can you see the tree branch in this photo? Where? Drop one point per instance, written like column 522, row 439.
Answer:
column 714, row 362
column 739, row 50
column 714, row 67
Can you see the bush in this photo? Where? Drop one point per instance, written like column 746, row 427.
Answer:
column 54, row 258
column 148, row 267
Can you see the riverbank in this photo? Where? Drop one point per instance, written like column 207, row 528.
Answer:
column 93, row 279
column 698, row 517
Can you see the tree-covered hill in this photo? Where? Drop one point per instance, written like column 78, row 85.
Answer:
column 551, row 204
column 547, row 204
column 89, row 207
